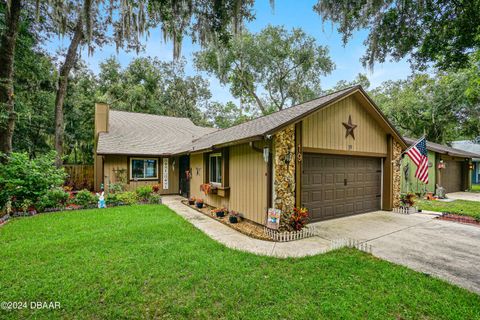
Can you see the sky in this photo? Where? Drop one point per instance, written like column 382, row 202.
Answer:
column 289, row 13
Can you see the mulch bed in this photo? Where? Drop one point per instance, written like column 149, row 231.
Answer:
column 244, row 226
column 459, row 218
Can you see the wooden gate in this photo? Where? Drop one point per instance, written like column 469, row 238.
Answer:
column 79, row 176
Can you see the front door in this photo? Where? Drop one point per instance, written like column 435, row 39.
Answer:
column 185, row 175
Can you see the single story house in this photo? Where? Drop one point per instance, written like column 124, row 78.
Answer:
column 471, row 147
column 448, row 167
column 335, row 155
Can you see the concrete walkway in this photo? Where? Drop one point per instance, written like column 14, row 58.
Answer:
column 445, row 249
column 472, row 196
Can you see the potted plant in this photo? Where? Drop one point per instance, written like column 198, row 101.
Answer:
column 191, row 201
column 219, row 212
column 199, row 203
column 233, row 217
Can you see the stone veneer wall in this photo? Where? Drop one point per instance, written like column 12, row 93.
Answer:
column 284, row 180
column 397, row 177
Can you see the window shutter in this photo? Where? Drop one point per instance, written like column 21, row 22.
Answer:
column 225, row 172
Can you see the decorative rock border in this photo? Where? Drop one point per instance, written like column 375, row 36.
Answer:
column 285, row 236
column 459, row 218
column 406, row 210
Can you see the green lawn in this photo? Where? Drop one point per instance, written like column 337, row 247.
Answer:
column 475, row 188
column 462, row 207
column 147, row 262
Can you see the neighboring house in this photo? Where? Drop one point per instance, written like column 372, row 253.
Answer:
column 334, row 155
column 448, row 167
column 472, row 147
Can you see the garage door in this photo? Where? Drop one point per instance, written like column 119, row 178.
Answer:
column 452, row 176
column 336, row 186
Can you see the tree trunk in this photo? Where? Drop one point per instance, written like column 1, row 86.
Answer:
column 7, row 55
column 65, row 69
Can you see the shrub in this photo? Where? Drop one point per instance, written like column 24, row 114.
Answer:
column 298, row 219
column 154, row 198
column 408, row 200
column 85, row 198
column 127, row 197
column 144, row 192
column 111, row 199
column 24, row 178
column 116, row 187
column 54, row 198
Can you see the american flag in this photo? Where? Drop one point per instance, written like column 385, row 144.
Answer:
column 419, row 155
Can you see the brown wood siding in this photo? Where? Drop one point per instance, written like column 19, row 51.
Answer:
column 114, row 162
column 247, row 182
column 324, row 130
column 197, row 162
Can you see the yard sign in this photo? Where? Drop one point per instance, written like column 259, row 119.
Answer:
column 165, row 173
column 273, row 218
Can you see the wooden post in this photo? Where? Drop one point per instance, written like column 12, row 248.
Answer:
column 388, row 176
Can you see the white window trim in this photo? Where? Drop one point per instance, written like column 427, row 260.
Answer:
column 214, row 155
column 149, row 178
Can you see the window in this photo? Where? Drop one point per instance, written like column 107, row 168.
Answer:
column 142, row 169
column 215, row 169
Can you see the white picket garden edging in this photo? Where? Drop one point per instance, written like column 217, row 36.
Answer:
column 406, row 210
column 284, row 236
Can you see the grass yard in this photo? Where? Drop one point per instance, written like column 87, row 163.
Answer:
column 475, row 188
column 147, row 262
column 462, row 207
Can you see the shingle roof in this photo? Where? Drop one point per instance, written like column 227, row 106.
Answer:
column 266, row 124
column 147, row 134
column 440, row 148
column 468, row 146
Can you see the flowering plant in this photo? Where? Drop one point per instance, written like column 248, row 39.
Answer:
column 156, row 188
column 206, row 188
column 234, row 214
column 299, row 218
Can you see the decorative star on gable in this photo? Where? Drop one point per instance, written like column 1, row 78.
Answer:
column 350, row 127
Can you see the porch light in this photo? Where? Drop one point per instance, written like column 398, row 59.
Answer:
column 266, row 153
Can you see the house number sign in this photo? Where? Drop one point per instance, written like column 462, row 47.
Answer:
column 165, row 173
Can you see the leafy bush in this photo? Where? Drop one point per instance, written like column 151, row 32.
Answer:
column 85, row 198
column 154, row 198
column 54, row 198
column 408, row 200
column 22, row 178
column 298, row 219
column 144, row 192
column 111, row 199
column 127, row 197
column 116, row 187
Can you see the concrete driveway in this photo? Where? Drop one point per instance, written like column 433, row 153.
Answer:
column 444, row 249
column 472, row 196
